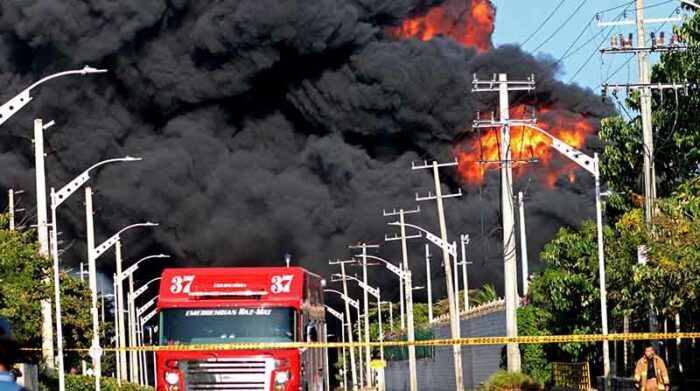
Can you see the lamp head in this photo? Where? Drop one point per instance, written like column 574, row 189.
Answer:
column 163, row 256
column 88, row 69
column 128, row 158
column 150, row 224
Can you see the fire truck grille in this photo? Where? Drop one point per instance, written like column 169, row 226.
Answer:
column 247, row 373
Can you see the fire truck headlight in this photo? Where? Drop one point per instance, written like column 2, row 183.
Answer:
column 172, row 378
column 282, row 377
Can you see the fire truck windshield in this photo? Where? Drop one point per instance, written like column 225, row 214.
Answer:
column 192, row 326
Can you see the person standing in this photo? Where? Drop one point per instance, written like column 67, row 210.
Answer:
column 9, row 351
column 650, row 373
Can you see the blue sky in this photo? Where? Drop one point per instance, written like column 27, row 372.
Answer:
column 518, row 19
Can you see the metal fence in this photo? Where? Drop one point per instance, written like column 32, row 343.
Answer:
column 400, row 353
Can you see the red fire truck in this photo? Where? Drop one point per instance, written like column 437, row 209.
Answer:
column 215, row 306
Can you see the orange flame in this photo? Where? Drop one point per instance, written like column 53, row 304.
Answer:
column 469, row 22
column 483, row 153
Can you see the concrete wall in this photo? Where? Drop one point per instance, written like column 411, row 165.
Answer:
column 30, row 377
column 478, row 362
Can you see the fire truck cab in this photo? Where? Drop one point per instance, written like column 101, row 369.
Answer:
column 223, row 306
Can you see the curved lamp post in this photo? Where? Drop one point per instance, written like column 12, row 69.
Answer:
column 121, row 336
column 57, row 198
column 12, row 106
column 350, row 302
column 592, row 165
column 93, row 254
column 376, row 293
column 341, row 317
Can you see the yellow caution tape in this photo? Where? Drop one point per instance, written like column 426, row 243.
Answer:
column 433, row 342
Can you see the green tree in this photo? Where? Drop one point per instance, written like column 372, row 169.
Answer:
column 483, row 295
column 26, row 280
column 567, row 288
column 22, row 273
column 533, row 320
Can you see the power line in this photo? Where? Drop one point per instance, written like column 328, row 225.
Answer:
column 561, row 26
column 537, row 30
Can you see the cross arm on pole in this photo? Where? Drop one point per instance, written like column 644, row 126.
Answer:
column 431, row 197
column 395, row 212
column 494, row 84
column 363, row 245
column 491, row 123
column 628, row 22
column 426, row 165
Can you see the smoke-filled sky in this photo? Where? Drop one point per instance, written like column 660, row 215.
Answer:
column 268, row 127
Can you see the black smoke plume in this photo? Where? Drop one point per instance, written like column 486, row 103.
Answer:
column 265, row 126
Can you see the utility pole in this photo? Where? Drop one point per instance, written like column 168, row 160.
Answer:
column 454, row 311
column 83, row 364
column 365, row 299
column 647, row 131
column 11, row 206
column 626, row 46
column 658, row 44
column 455, row 270
column 428, row 284
column 510, row 270
column 117, row 353
column 408, row 291
column 133, row 359
column 341, row 317
column 353, row 365
column 42, row 228
column 402, row 301
column 119, row 292
column 359, row 349
column 95, row 350
column 464, row 240
column 523, row 244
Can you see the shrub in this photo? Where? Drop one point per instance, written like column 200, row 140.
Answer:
column 87, row 383
column 511, row 381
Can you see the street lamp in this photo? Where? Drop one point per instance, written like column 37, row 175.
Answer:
column 93, row 254
column 131, row 298
column 592, row 165
column 341, row 317
column 376, row 293
column 349, row 302
column 121, row 336
column 9, row 108
column 144, row 319
column 451, row 248
column 57, row 198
